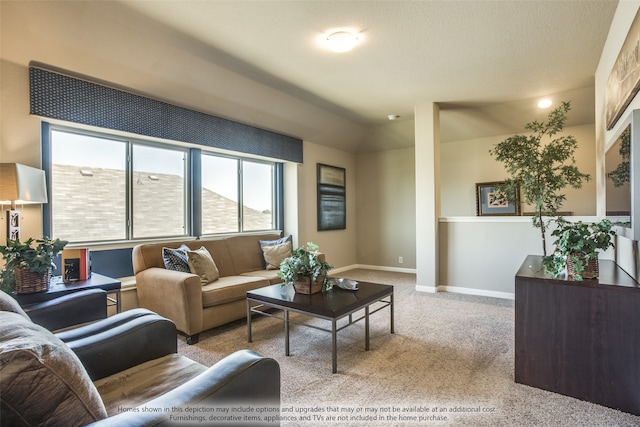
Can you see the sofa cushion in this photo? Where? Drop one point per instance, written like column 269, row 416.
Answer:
column 8, row 303
column 142, row 383
column 246, row 252
column 176, row 259
column 43, row 381
column 202, row 264
column 270, row 275
column 229, row 289
column 274, row 251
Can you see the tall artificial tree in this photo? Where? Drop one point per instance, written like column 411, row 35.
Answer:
column 541, row 166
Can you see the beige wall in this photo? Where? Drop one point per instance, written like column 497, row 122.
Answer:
column 465, row 163
column 627, row 251
column 386, row 207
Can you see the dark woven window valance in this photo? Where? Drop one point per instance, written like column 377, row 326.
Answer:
column 62, row 97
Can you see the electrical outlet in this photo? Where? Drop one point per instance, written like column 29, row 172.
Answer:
column 400, row 260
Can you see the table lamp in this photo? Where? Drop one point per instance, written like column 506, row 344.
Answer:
column 19, row 185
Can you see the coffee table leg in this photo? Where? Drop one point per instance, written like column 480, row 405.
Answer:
column 392, row 318
column 366, row 328
column 334, row 344
column 249, row 337
column 286, row 332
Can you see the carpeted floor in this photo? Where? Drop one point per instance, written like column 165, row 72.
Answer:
column 450, row 362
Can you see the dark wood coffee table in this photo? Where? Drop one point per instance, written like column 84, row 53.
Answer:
column 331, row 305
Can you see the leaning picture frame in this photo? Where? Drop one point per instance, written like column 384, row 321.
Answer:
column 490, row 202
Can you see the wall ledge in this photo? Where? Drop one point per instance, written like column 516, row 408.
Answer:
column 503, row 219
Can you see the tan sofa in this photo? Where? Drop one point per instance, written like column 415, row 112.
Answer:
column 181, row 297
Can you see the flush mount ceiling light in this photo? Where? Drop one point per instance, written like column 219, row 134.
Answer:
column 342, row 41
column 544, row 103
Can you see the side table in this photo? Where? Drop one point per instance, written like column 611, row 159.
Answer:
column 58, row 288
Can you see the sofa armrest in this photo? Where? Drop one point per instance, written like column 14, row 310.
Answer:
column 174, row 295
column 129, row 344
column 243, row 378
column 72, row 309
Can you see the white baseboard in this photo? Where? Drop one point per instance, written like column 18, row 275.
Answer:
column 373, row 267
column 478, row 292
column 429, row 289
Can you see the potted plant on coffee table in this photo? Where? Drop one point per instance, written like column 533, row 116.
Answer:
column 28, row 264
column 577, row 246
column 306, row 270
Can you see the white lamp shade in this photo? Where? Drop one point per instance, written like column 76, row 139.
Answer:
column 22, row 184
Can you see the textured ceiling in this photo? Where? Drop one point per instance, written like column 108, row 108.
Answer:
column 484, row 62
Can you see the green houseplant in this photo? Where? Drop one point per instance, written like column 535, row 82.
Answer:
column 306, row 269
column 541, row 166
column 577, row 246
column 31, row 258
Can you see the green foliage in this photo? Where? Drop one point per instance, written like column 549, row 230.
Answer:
column 579, row 241
column 303, row 263
column 620, row 175
column 541, row 166
column 36, row 257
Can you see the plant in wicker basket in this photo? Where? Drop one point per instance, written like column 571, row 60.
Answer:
column 28, row 264
column 306, row 269
column 577, row 246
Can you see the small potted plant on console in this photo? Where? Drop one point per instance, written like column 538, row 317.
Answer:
column 28, row 266
column 577, row 247
column 306, row 270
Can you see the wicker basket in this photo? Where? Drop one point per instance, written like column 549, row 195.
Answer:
column 28, row 282
column 590, row 270
column 305, row 286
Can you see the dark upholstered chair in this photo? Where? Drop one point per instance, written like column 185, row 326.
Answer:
column 110, row 372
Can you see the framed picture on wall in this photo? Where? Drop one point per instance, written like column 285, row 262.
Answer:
column 332, row 204
column 624, row 80
column 491, row 202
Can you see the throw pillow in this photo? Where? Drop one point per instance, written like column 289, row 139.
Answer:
column 274, row 251
column 176, row 259
column 43, row 381
column 202, row 264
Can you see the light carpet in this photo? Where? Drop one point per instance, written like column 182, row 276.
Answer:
column 450, row 362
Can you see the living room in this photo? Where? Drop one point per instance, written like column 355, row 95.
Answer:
column 117, row 45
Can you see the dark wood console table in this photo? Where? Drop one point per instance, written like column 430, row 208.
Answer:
column 580, row 339
column 58, row 288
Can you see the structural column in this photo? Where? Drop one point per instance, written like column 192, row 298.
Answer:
column 427, row 157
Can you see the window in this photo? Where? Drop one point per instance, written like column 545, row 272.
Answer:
column 158, row 192
column 257, row 196
column 101, row 193
column 89, row 187
column 219, row 195
column 237, row 195
column 108, row 188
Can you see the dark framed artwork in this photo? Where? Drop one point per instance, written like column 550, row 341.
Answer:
column 490, row 202
column 332, row 202
column 624, row 80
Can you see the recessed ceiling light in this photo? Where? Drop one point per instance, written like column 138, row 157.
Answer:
column 544, row 103
column 393, row 117
column 342, row 41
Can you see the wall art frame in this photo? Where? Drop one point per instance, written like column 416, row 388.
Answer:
column 490, row 202
column 332, row 202
column 624, row 80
